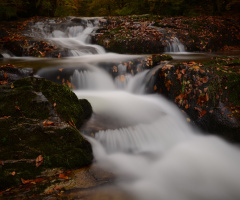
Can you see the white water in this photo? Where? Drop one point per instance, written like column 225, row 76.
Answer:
column 156, row 155
column 6, row 55
column 160, row 156
column 175, row 46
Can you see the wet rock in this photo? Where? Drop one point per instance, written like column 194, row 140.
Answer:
column 40, row 118
column 204, row 93
column 10, row 73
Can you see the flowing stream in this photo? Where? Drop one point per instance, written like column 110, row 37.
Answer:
column 149, row 145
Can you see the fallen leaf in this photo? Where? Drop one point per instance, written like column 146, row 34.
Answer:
column 39, row 160
column 17, row 107
column 207, row 97
column 203, row 113
column 48, row 123
column 25, row 181
column 38, row 180
column 63, row 176
column 155, row 88
column 179, row 76
column 5, row 117
column 5, row 75
column 205, row 79
column 13, row 173
column 12, row 86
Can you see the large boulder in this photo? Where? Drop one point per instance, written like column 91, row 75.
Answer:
column 39, row 123
column 208, row 93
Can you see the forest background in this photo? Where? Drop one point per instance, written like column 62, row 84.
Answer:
column 13, row 9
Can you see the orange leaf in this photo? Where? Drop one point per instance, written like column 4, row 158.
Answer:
column 39, row 160
column 205, row 79
column 38, row 180
column 13, row 173
column 48, row 123
column 71, row 123
column 17, row 107
column 155, row 88
column 203, row 113
column 179, row 76
column 5, row 117
column 63, row 176
column 25, row 181
column 5, row 75
column 207, row 97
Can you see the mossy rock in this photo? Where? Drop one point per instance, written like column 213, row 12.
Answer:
column 208, row 92
column 39, row 117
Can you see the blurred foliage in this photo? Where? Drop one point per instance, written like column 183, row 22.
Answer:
column 11, row 9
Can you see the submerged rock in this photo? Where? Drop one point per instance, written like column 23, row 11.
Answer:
column 39, row 123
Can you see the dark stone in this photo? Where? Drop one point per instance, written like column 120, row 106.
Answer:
column 203, row 96
column 39, row 117
column 10, row 73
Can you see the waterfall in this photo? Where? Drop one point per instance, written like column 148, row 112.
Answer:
column 92, row 80
column 151, row 148
column 5, row 55
column 76, row 38
column 174, row 45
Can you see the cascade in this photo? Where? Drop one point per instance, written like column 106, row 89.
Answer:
column 175, row 45
column 155, row 154
column 6, row 55
column 74, row 38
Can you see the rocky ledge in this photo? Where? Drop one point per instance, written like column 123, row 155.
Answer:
column 39, row 123
column 209, row 92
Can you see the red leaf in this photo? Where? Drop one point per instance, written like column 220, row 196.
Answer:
column 25, row 181
column 17, row 107
column 63, row 176
column 203, row 113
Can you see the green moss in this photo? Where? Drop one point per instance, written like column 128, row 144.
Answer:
column 23, row 135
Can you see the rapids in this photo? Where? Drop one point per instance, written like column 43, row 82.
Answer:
column 153, row 150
